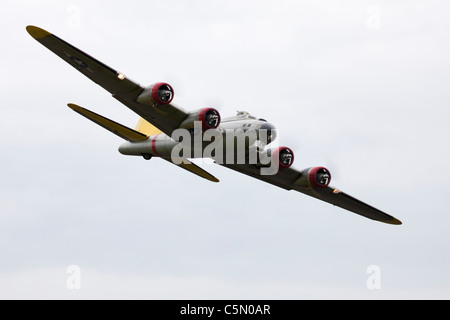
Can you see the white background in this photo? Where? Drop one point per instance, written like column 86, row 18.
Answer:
column 361, row 87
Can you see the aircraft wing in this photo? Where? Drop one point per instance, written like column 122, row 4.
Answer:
column 116, row 83
column 286, row 178
column 343, row 200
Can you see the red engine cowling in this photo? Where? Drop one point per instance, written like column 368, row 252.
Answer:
column 315, row 178
column 209, row 118
column 157, row 94
column 284, row 156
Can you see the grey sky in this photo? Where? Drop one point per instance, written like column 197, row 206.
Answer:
column 361, row 87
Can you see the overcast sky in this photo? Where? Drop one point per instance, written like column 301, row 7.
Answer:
column 361, row 87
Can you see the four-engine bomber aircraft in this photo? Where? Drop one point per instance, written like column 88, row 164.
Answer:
column 158, row 133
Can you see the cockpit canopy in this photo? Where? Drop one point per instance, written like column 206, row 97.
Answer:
column 244, row 114
column 266, row 131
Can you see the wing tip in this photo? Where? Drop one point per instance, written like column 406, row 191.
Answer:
column 73, row 106
column 37, row 32
column 212, row 179
column 393, row 221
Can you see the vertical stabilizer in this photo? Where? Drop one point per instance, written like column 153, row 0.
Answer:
column 147, row 128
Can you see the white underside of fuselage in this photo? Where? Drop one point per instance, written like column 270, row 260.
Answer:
column 232, row 137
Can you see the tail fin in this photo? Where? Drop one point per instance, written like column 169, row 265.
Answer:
column 145, row 127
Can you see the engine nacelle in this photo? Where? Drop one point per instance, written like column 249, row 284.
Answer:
column 284, row 156
column 157, row 94
column 209, row 118
column 315, row 178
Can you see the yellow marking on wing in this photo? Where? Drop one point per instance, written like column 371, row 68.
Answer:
column 37, row 33
column 147, row 128
column 393, row 221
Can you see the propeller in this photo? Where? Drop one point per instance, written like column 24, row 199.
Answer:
column 165, row 94
column 212, row 118
column 323, row 177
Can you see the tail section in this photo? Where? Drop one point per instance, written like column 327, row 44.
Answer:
column 143, row 131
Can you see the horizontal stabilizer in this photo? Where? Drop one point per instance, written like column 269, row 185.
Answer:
column 147, row 128
column 116, row 128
